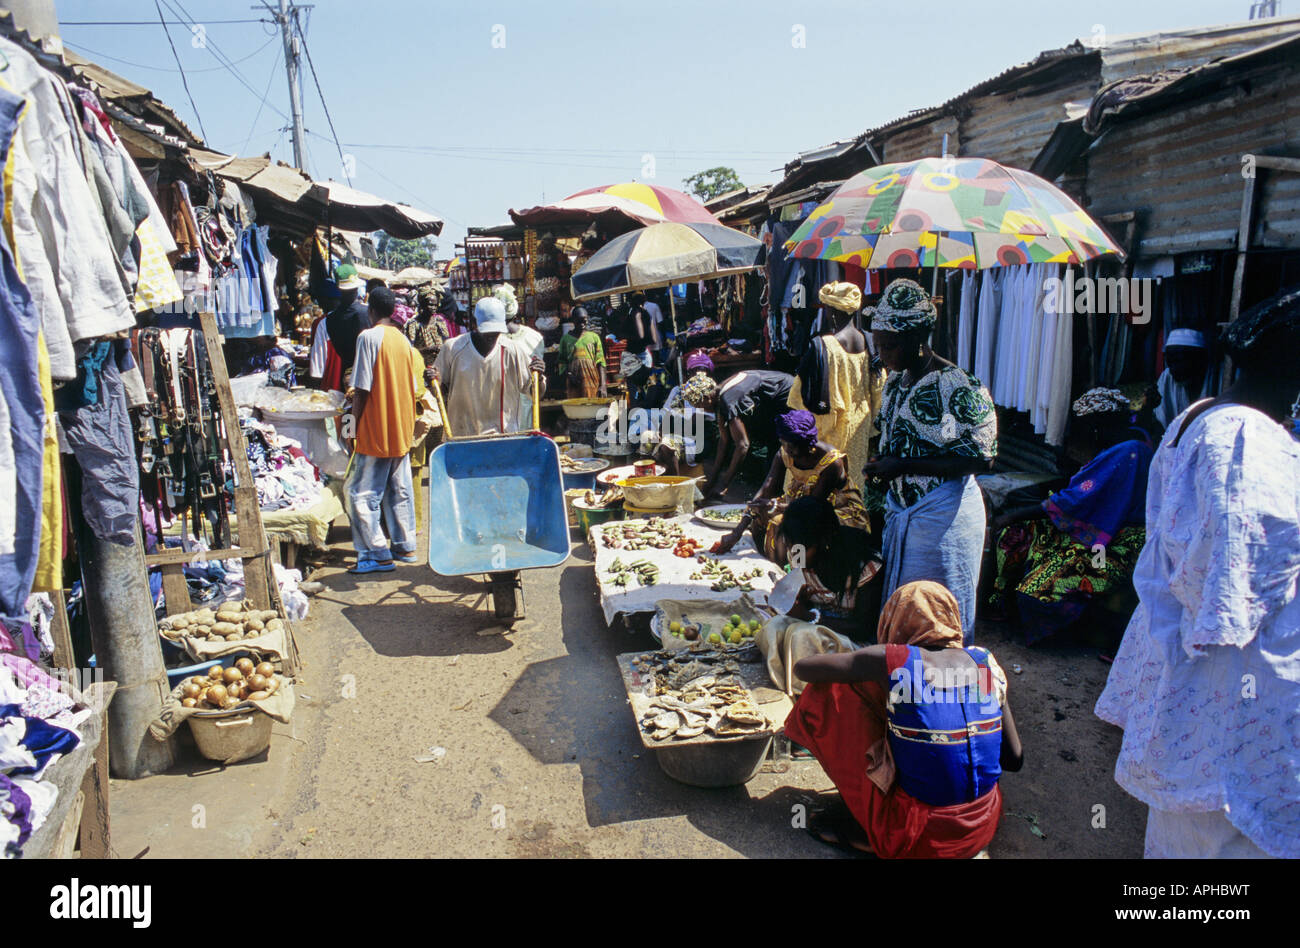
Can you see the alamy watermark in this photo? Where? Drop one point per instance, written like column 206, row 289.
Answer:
column 1100, row 296
column 914, row 683
column 644, row 428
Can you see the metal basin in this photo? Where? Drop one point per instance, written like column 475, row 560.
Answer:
column 497, row 504
column 720, row 764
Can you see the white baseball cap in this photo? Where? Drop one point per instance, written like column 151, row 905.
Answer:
column 490, row 315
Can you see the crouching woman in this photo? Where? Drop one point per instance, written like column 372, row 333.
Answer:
column 930, row 720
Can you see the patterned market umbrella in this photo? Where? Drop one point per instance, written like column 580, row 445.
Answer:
column 664, row 254
column 618, row 206
column 976, row 213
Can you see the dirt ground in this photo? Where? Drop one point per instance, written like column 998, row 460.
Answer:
column 535, row 752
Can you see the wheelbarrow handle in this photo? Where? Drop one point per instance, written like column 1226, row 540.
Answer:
column 537, row 401
column 442, row 409
column 446, row 419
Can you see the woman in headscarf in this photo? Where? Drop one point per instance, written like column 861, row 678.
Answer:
column 1206, row 684
column 1078, row 547
column 582, row 358
column 838, row 381
column 808, row 467
column 937, row 430
column 665, row 441
column 696, row 362
column 933, row 758
column 746, row 406
column 428, row 330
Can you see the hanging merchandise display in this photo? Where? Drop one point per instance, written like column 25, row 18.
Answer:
column 180, row 437
column 1022, row 350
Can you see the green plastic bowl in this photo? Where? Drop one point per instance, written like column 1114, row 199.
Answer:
column 589, row 517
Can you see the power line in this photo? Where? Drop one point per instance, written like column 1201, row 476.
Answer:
column 577, row 151
column 185, row 82
column 127, row 62
column 525, row 159
column 143, row 22
column 220, row 56
column 274, row 66
column 312, row 66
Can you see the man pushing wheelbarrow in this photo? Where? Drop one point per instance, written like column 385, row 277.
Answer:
column 495, row 496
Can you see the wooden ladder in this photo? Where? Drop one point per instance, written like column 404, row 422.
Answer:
column 253, row 547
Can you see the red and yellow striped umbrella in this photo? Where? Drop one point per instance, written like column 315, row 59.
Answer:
column 630, row 203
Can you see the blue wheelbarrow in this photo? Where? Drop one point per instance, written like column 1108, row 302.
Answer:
column 496, row 506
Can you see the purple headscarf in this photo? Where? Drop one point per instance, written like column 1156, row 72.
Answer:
column 402, row 314
column 797, row 427
column 699, row 359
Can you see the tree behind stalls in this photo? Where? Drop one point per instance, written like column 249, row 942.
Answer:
column 397, row 254
column 706, row 185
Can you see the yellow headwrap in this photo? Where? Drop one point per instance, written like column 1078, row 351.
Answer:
column 845, row 297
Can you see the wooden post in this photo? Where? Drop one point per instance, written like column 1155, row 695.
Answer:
column 1243, row 242
column 59, row 631
column 1270, row 163
column 96, row 837
column 176, row 592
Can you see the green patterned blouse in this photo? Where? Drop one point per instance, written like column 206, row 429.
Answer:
column 947, row 413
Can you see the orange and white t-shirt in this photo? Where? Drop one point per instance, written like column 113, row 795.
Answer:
column 389, row 368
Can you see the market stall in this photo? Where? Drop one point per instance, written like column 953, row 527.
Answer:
column 627, row 587
column 708, row 715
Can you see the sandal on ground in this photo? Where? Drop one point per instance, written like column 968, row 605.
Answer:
column 373, row 566
column 406, row 557
column 840, row 830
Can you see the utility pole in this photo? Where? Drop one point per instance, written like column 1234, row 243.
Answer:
column 288, row 20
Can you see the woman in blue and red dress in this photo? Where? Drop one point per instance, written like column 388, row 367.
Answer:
column 930, row 720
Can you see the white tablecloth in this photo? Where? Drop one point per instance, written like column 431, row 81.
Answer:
column 674, row 572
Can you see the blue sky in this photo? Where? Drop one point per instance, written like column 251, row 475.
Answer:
column 575, row 93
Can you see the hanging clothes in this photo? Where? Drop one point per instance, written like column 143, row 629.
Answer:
column 966, row 321
column 20, row 388
column 61, row 242
column 986, row 327
column 1058, row 412
column 103, row 442
column 49, row 560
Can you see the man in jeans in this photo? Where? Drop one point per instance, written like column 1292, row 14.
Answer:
column 387, row 377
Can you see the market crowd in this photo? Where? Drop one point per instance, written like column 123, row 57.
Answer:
column 1174, row 547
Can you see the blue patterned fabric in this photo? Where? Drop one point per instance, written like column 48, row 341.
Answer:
column 42, row 740
column 1108, row 493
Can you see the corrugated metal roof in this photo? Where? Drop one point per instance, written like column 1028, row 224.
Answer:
column 1017, row 142
column 1135, row 95
column 1180, row 167
column 1131, row 54
column 1007, row 78
column 753, row 206
column 814, row 192
column 131, row 96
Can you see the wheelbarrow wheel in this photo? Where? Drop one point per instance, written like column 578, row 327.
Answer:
column 507, row 597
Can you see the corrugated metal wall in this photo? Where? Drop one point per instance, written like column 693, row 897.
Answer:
column 1180, row 168
column 1013, row 128
column 921, row 141
column 1010, row 127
